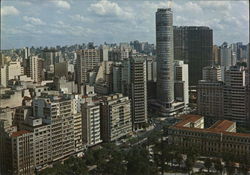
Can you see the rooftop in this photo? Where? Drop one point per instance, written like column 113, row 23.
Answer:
column 220, row 127
column 19, row 133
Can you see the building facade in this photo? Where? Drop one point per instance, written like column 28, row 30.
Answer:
column 116, row 120
column 220, row 138
column 91, row 126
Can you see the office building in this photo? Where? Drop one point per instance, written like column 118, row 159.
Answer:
column 116, row 120
column 181, row 82
column 91, row 126
column 138, row 91
column 210, row 99
column 221, row 138
column 194, row 45
column 235, row 95
column 86, row 60
column 211, row 73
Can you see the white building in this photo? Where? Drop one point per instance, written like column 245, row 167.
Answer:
column 181, row 82
column 212, row 73
column 91, row 126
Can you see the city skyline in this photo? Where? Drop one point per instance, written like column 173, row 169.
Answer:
column 51, row 23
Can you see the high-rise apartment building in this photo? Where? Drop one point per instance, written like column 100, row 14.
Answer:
column 86, row 60
column 116, row 120
column 42, row 141
column 57, row 111
column 193, row 45
column 91, row 126
column 165, row 57
column 138, row 91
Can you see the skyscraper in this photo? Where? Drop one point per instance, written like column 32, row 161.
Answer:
column 138, row 91
column 165, row 57
column 194, row 45
column 235, row 95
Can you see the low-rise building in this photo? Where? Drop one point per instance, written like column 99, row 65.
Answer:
column 218, row 139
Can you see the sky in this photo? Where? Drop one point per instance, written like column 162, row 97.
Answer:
column 54, row 22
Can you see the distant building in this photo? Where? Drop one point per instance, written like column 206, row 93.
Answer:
column 116, row 117
column 86, row 60
column 51, row 57
column 226, row 55
column 216, row 60
column 103, row 80
column 212, row 73
column 34, row 68
column 194, row 45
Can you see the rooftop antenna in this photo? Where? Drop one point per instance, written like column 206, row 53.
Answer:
column 169, row 4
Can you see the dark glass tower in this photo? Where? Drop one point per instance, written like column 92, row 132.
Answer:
column 193, row 45
column 165, row 57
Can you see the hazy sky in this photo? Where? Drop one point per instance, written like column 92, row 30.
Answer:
column 54, row 22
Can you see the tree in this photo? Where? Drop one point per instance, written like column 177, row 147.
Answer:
column 218, row 166
column 208, row 164
column 89, row 157
column 230, row 167
column 179, row 158
column 189, row 165
column 138, row 162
